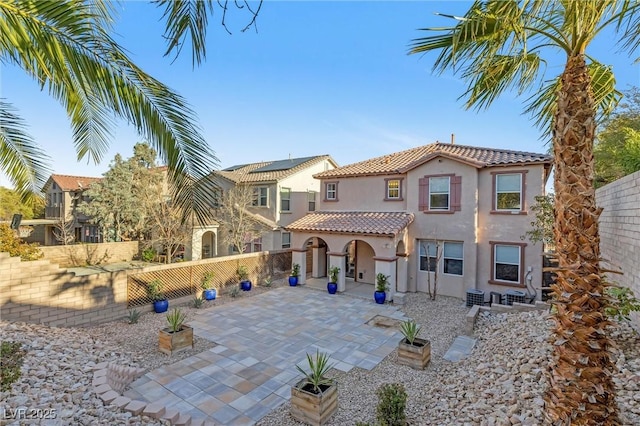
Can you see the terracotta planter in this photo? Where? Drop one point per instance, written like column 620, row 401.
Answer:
column 415, row 356
column 170, row 343
column 311, row 408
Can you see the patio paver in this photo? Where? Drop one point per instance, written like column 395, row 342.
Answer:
column 259, row 342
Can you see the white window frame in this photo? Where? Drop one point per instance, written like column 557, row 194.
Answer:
column 396, row 189
column 311, row 201
column 426, row 244
column 283, row 199
column 334, row 191
column 445, row 257
column 495, row 263
column 432, row 192
column 259, row 197
column 498, row 176
column 286, row 245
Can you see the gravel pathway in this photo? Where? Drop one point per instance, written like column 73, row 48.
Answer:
column 501, row 383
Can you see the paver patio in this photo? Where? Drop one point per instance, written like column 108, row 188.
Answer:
column 259, row 342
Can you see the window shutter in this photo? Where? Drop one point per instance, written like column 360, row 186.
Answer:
column 456, row 193
column 423, row 203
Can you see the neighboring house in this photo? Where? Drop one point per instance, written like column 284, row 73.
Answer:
column 63, row 194
column 390, row 214
column 284, row 191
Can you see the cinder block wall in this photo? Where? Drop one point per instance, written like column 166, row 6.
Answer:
column 78, row 254
column 42, row 292
column 620, row 230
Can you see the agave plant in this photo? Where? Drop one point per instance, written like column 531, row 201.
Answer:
column 176, row 318
column 318, row 366
column 410, row 330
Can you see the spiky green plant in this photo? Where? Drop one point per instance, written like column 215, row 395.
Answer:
column 197, row 302
column 318, row 368
column 176, row 319
column 410, row 330
column 133, row 316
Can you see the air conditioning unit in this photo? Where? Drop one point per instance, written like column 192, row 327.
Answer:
column 515, row 296
column 475, row 297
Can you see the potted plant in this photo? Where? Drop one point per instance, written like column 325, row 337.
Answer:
column 295, row 273
column 243, row 276
column 332, row 285
column 314, row 399
column 208, row 292
column 380, row 294
column 160, row 302
column 413, row 351
column 178, row 336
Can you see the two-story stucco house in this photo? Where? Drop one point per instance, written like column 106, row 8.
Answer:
column 459, row 209
column 63, row 193
column 284, row 191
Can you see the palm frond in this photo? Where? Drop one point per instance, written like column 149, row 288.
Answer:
column 21, row 159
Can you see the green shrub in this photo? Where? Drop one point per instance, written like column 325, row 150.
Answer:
column 391, row 405
column 11, row 358
column 197, row 302
column 234, row 291
column 12, row 244
column 148, row 254
column 133, row 316
column 622, row 303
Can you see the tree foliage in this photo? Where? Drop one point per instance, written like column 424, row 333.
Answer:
column 497, row 47
column 617, row 148
column 542, row 227
column 67, row 48
column 12, row 244
column 11, row 203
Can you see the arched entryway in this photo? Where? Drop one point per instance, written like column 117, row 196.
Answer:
column 209, row 246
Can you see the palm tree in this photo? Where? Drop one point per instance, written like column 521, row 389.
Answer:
column 66, row 47
column 497, row 46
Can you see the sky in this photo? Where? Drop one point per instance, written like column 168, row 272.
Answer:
column 315, row 78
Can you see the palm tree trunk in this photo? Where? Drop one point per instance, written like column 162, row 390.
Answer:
column 581, row 390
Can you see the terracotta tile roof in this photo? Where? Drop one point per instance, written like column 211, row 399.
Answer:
column 270, row 170
column 370, row 223
column 402, row 162
column 71, row 183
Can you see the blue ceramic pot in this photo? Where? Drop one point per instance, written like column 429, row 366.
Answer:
column 245, row 285
column 293, row 281
column 209, row 294
column 380, row 297
column 332, row 288
column 160, row 306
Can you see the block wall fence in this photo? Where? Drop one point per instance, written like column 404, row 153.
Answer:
column 82, row 254
column 43, row 292
column 620, row 231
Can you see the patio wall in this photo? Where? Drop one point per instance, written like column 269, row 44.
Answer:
column 42, row 292
column 83, row 254
column 620, row 231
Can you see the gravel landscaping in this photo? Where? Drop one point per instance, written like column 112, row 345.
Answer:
column 501, row 383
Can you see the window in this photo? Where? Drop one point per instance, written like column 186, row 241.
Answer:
column 508, row 192
column 285, row 199
column 393, row 189
column 260, row 197
column 286, row 240
column 254, row 245
column 439, row 193
column 428, row 255
column 453, row 258
column 507, row 262
column 311, row 198
column 332, row 191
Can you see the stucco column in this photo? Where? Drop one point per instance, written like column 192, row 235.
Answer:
column 387, row 266
column 319, row 267
column 300, row 257
column 339, row 259
column 402, row 270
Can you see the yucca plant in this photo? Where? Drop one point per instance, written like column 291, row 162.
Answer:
column 410, row 330
column 133, row 316
column 176, row 318
column 318, row 368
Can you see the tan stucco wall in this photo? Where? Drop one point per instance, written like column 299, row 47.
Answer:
column 363, row 194
column 81, row 254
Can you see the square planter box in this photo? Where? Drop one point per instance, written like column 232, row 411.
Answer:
column 311, row 408
column 415, row 356
column 170, row 343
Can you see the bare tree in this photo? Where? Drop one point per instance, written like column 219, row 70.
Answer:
column 236, row 219
column 436, row 261
column 63, row 230
column 167, row 229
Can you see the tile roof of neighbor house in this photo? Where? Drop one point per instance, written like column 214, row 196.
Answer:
column 402, row 162
column 270, row 170
column 370, row 223
column 71, row 183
